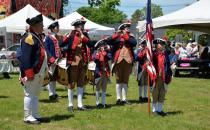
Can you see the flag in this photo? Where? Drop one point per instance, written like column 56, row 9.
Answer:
column 149, row 38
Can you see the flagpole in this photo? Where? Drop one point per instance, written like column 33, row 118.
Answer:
column 148, row 93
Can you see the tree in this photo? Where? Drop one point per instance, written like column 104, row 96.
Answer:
column 136, row 16
column 103, row 11
column 140, row 14
column 172, row 33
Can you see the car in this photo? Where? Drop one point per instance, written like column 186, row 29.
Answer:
column 10, row 54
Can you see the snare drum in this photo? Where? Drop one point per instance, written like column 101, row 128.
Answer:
column 90, row 73
column 62, row 72
column 46, row 78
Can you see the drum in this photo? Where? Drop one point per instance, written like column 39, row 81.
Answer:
column 90, row 73
column 62, row 72
column 46, row 78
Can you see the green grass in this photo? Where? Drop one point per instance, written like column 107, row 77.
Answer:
column 187, row 103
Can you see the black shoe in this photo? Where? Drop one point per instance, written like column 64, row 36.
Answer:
column 126, row 102
column 53, row 97
column 6, row 75
column 162, row 113
column 145, row 99
column 39, row 119
column 141, row 100
column 33, row 122
column 70, row 109
column 99, row 106
column 118, row 102
column 105, row 106
column 56, row 96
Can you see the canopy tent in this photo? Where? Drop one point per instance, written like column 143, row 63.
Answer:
column 93, row 28
column 16, row 23
column 194, row 17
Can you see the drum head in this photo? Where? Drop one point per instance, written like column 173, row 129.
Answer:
column 92, row 66
column 62, row 63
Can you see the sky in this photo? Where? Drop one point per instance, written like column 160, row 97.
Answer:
column 129, row 6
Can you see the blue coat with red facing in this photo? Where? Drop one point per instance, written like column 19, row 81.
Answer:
column 161, row 63
column 52, row 46
column 32, row 55
column 101, row 58
column 72, row 41
column 118, row 40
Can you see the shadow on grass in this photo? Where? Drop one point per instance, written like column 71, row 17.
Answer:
column 61, row 90
column 135, row 102
column 4, row 96
column 93, row 94
column 56, row 118
column 174, row 113
column 48, row 101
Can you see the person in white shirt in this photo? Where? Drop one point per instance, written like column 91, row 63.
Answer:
column 183, row 51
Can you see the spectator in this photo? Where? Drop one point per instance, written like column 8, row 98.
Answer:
column 194, row 50
column 183, row 51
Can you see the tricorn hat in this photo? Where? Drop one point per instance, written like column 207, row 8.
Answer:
column 77, row 22
column 53, row 25
column 34, row 20
column 124, row 25
column 159, row 41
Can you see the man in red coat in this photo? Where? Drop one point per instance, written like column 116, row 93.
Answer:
column 161, row 63
column 123, row 55
column 77, row 60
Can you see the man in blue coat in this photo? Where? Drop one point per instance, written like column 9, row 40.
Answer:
column 33, row 68
column 53, row 52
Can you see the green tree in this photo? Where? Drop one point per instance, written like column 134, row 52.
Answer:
column 137, row 16
column 104, row 12
column 140, row 14
column 171, row 34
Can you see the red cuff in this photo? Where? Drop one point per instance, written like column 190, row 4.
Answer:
column 114, row 36
column 85, row 39
column 126, row 36
column 52, row 60
column 29, row 73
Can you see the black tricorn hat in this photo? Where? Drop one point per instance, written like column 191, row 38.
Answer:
column 124, row 25
column 34, row 20
column 143, row 42
column 53, row 25
column 77, row 22
column 159, row 41
column 102, row 42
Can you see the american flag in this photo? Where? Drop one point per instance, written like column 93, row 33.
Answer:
column 149, row 38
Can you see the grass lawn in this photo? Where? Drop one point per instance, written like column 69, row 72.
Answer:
column 187, row 104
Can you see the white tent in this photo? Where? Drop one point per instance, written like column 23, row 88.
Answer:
column 193, row 17
column 93, row 28
column 16, row 22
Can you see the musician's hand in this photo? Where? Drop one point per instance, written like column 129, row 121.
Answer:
column 81, row 33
